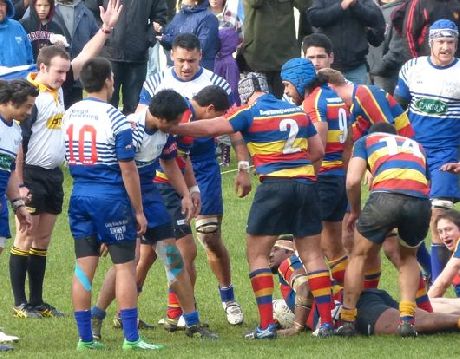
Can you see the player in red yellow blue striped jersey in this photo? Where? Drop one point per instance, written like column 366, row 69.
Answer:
column 398, row 199
column 368, row 105
column 329, row 115
column 283, row 144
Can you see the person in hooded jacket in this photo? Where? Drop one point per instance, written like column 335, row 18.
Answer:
column 16, row 48
column 40, row 25
column 195, row 17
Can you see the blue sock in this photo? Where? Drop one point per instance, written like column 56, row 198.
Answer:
column 97, row 313
column 129, row 320
column 83, row 319
column 191, row 318
column 438, row 261
column 227, row 294
column 424, row 258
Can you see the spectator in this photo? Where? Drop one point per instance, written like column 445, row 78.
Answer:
column 386, row 60
column 196, row 18
column 81, row 26
column 127, row 48
column 16, row 48
column 419, row 16
column 359, row 21
column 269, row 38
column 40, row 25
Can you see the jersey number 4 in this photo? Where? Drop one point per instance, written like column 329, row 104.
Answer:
column 86, row 151
column 408, row 146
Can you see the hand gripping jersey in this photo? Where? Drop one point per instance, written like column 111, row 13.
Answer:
column 276, row 134
column 203, row 148
column 97, row 137
column 397, row 163
column 184, row 145
column 323, row 105
column 373, row 105
column 433, row 93
column 43, row 138
column 10, row 139
column 149, row 146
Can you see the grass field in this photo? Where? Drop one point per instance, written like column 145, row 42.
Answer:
column 57, row 338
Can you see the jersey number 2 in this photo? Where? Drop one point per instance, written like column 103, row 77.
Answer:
column 87, row 155
column 290, row 125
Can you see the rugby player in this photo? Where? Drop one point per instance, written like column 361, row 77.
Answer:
column 283, row 144
column 430, row 87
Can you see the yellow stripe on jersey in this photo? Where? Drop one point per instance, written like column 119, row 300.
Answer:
column 333, row 136
column 377, row 106
column 269, row 148
column 161, row 175
column 400, row 174
column 401, row 121
column 377, row 154
column 304, row 171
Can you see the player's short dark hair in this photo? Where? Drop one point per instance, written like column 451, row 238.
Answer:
column 16, row 91
column 187, row 41
column 167, row 105
column 47, row 53
column 383, row 127
column 94, row 72
column 449, row 215
column 317, row 40
column 213, row 95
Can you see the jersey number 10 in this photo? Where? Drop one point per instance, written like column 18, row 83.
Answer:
column 87, row 152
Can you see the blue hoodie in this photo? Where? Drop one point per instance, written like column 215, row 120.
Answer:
column 15, row 47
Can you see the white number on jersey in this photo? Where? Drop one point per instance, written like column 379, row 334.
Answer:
column 288, row 124
column 408, row 145
column 343, row 125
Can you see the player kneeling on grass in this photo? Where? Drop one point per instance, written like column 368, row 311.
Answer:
column 106, row 205
column 16, row 101
column 398, row 199
column 283, row 144
column 376, row 311
column 152, row 142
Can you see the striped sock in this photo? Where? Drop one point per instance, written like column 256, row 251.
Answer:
column 421, row 297
column 36, row 272
column 174, row 310
column 19, row 260
column 262, row 285
column 372, row 278
column 320, row 286
column 338, row 267
column 424, row 258
column 407, row 311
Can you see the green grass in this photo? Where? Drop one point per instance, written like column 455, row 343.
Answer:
column 57, row 338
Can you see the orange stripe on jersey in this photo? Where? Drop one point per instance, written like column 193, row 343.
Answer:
column 273, row 123
column 369, row 105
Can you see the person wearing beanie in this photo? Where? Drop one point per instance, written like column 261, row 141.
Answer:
column 430, row 88
column 283, row 144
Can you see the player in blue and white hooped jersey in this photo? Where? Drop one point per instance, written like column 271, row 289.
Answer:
column 188, row 78
column 16, row 101
column 105, row 208
column 152, row 143
column 430, row 86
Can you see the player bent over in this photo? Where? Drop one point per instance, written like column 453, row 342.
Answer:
column 152, row 142
column 106, row 206
column 283, row 144
column 398, row 199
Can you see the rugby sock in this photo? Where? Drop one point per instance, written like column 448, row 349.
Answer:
column 36, row 272
column 338, row 267
column 262, row 285
column 372, row 278
column 174, row 310
column 421, row 297
column 439, row 257
column 407, row 311
column 424, row 258
column 83, row 319
column 191, row 318
column 19, row 260
column 129, row 320
column 97, row 313
column 320, row 286
column 348, row 315
column 456, row 285
column 227, row 294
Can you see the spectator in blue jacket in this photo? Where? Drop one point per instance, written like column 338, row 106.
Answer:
column 16, row 47
column 195, row 17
